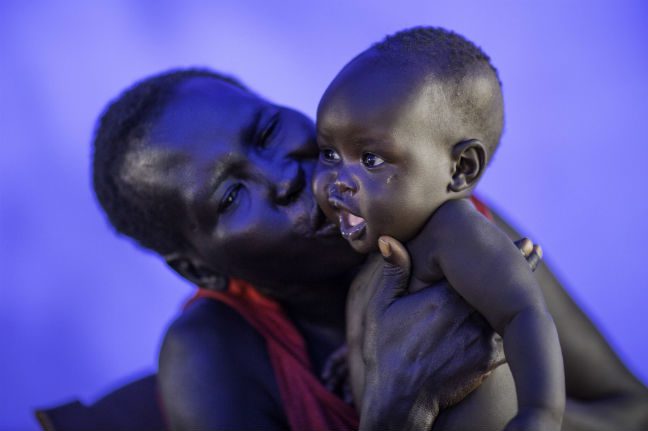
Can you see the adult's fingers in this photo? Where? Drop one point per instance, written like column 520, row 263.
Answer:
column 535, row 257
column 396, row 270
column 531, row 252
column 525, row 245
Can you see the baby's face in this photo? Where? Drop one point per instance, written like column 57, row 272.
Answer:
column 385, row 160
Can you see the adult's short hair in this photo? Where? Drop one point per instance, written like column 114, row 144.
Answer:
column 126, row 121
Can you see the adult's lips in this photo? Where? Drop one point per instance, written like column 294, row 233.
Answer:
column 321, row 225
column 313, row 223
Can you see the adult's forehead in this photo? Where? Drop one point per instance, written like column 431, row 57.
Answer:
column 204, row 109
column 212, row 87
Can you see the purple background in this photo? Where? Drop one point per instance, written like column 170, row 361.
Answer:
column 81, row 310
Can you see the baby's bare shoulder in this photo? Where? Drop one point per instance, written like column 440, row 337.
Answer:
column 458, row 222
column 458, row 212
column 457, row 232
column 455, row 222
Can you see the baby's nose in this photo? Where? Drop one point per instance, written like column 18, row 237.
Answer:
column 342, row 187
column 344, row 183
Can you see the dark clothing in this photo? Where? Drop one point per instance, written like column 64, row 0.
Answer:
column 133, row 407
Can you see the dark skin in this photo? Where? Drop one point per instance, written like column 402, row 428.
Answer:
column 258, row 215
column 369, row 123
column 394, row 160
column 607, row 401
column 208, row 377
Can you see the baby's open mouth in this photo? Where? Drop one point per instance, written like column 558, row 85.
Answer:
column 351, row 226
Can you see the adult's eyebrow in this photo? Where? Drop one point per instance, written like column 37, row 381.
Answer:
column 231, row 165
column 253, row 129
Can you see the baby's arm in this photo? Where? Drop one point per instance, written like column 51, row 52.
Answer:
column 484, row 267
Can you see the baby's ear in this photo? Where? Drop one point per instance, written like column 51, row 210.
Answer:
column 196, row 273
column 469, row 158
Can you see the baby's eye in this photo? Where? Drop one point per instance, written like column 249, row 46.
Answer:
column 371, row 160
column 229, row 197
column 329, row 155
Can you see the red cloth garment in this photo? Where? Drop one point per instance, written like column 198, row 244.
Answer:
column 481, row 207
column 307, row 403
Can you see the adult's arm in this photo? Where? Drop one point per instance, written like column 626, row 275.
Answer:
column 131, row 407
column 602, row 393
column 215, row 373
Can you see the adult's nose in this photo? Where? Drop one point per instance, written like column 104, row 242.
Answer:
column 289, row 184
column 304, row 149
column 298, row 136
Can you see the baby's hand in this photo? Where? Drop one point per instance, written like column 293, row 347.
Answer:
column 535, row 420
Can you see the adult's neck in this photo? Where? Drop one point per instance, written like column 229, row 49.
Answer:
column 318, row 310
column 320, row 303
column 321, row 319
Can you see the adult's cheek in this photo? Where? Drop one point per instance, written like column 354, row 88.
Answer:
column 323, row 180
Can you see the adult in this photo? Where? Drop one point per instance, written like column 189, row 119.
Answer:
column 215, row 179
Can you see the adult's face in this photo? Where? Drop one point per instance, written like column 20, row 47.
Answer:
column 237, row 170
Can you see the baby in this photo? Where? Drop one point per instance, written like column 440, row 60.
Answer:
column 405, row 132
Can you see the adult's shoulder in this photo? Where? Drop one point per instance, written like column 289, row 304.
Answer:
column 215, row 372
column 212, row 321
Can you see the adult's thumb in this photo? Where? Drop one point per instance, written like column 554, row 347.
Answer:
column 396, row 269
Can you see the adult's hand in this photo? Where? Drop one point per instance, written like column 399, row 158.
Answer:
column 532, row 252
column 422, row 351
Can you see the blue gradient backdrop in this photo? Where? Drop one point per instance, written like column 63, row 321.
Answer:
column 82, row 310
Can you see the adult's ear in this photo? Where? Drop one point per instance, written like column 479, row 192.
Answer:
column 469, row 159
column 195, row 272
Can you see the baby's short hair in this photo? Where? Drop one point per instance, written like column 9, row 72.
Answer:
column 126, row 121
column 451, row 58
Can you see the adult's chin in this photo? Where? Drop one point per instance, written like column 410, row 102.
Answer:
column 332, row 257
column 309, row 274
column 313, row 261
